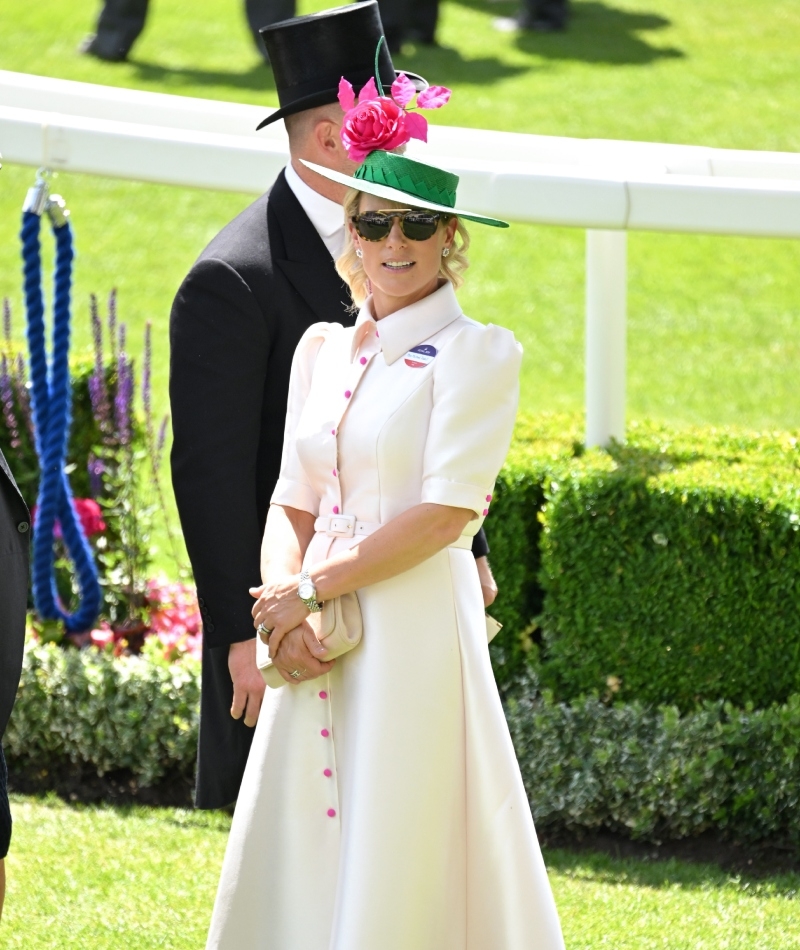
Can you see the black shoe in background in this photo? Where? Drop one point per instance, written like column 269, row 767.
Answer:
column 544, row 16
column 108, row 47
column 119, row 24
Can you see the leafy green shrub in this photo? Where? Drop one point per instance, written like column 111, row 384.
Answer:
column 111, row 452
column 655, row 774
column 132, row 712
column 648, row 773
column 671, row 568
column 513, row 531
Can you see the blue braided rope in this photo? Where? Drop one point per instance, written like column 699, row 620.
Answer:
column 51, row 414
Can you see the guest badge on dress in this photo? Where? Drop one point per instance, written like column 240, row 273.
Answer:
column 420, row 356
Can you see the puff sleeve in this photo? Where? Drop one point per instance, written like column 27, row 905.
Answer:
column 475, row 397
column 293, row 487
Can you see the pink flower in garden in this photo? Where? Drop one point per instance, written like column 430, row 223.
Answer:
column 174, row 622
column 102, row 636
column 379, row 122
column 175, row 619
column 90, row 515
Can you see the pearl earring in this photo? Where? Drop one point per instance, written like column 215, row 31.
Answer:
column 358, row 252
column 445, row 252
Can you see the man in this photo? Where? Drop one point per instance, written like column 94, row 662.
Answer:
column 15, row 525
column 234, row 327
column 121, row 21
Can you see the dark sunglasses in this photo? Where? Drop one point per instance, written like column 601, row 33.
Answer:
column 415, row 225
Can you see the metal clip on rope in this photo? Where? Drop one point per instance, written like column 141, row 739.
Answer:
column 51, row 405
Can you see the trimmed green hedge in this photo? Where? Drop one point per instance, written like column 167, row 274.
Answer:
column 139, row 712
column 669, row 567
column 513, row 530
column 654, row 774
column 649, row 773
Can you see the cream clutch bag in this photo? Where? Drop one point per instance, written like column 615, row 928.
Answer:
column 492, row 628
column 341, row 628
column 338, row 626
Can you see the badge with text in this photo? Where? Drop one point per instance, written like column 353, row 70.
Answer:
column 420, row 356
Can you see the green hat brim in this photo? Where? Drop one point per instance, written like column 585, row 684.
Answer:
column 396, row 194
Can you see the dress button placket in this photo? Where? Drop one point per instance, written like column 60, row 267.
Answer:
column 328, row 771
column 356, row 373
column 330, row 793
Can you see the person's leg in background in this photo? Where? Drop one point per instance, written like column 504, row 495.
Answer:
column 423, row 19
column 544, row 15
column 5, row 827
column 119, row 24
column 395, row 16
column 265, row 12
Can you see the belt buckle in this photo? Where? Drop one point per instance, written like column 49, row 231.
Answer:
column 341, row 526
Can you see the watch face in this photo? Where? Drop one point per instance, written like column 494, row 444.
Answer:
column 306, row 590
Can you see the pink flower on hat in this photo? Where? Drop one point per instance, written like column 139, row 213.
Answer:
column 380, row 122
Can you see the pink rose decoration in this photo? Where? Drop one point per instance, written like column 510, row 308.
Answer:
column 374, row 124
column 417, row 126
column 379, row 122
column 347, row 97
column 403, row 90
column 434, row 97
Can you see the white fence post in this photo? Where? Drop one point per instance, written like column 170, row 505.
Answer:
column 606, row 299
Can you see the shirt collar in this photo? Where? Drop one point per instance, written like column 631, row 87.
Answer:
column 406, row 328
column 327, row 216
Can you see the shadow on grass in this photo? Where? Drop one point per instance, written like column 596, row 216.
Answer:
column 597, row 33
column 258, row 76
column 662, row 870
column 449, row 66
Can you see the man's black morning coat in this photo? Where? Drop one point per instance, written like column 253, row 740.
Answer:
column 15, row 523
column 235, row 323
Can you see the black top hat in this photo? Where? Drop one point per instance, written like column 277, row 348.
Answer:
column 310, row 54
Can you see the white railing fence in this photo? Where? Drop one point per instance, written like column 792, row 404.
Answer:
column 606, row 187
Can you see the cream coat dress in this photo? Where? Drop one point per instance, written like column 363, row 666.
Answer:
column 382, row 807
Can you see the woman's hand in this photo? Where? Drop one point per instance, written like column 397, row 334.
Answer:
column 279, row 608
column 301, row 653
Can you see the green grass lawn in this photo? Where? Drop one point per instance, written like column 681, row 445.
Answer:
column 107, row 879
column 714, row 323
column 714, row 336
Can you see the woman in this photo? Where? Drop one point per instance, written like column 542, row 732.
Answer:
column 382, row 807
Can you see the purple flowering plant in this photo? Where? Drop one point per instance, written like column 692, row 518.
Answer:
column 114, row 461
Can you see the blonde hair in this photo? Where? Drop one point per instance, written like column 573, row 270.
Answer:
column 351, row 270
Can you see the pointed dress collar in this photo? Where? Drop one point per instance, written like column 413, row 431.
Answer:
column 409, row 327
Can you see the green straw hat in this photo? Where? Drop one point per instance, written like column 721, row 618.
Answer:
column 401, row 179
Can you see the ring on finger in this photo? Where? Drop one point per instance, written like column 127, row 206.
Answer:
column 296, row 674
column 264, row 631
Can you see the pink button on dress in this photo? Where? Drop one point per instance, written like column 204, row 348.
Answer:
column 421, row 837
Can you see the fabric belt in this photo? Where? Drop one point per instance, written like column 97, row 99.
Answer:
column 348, row 526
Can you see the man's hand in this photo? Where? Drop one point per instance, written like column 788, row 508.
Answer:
column 300, row 651
column 488, row 586
column 248, row 683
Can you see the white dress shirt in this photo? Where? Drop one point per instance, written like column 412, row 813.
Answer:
column 327, row 216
